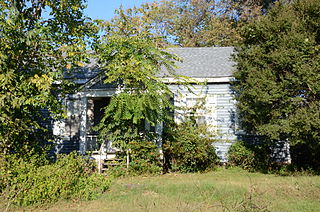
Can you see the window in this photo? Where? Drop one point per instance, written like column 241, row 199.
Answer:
column 202, row 107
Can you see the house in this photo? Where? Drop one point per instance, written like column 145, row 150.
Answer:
column 213, row 66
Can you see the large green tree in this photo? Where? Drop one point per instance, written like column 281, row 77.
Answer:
column 131, row 57
column 278, row 71
column 39, row 39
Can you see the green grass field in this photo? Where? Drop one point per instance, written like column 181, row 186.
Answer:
column 221, row 190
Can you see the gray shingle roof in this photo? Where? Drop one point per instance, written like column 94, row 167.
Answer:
column 205, row 62
column 89, row 71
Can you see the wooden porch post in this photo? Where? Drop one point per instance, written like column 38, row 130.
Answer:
column 83, row 125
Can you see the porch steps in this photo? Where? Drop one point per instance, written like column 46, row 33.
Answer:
column 111, row 162
column 107, row 160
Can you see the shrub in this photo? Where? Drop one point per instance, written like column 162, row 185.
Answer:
column 141, row 166
column 25, row 182
column 305, row 156
column 250, row 156
column 144, row 158
column 240, row 155
column 117, row 171
column 188, row 147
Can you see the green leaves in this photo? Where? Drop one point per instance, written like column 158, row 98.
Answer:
column 179, row 22
column 34, row 51
column 188, row 147
column 133, row 62
column 35, row 181
column 277, row 77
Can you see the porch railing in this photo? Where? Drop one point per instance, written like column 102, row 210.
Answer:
column 92, row 142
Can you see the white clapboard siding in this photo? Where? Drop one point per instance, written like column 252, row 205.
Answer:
column 220, row 111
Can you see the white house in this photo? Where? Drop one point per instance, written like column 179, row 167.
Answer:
column 213, row 66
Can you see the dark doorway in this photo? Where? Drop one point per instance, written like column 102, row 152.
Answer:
column 95, row 112
column 98, row 108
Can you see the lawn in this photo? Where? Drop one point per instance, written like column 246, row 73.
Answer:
column 221, row 190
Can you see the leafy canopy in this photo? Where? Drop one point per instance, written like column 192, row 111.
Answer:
column 195, row 23
column 38, row 40
column 277, row 77
column 132, row 60
column 184, row 23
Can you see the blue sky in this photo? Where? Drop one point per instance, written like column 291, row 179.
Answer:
column 104, row 9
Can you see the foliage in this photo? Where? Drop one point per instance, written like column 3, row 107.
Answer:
column 184, row 23
column 129, row 23
column 145, row 149
column 144, row 157
column 240, row 155
column 117, row 171
column 199, row 23
column 70, row 177
column 38, row 40
column 257, row 157
column 133, row 62
column 252, row 157
column 191, row 23
column 305, row 157
column 142, row 167
column 245, row 11
column 188, row 147
column 277, row 75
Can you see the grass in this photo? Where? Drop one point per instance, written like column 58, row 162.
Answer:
column 221, row 190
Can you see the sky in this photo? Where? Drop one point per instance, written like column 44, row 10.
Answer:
column 104, row 9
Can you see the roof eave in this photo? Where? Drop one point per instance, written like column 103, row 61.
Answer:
column 222, row 79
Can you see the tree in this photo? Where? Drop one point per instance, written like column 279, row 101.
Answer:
column 184, row 23
column 190, row 21
column 246, row 10
column 194, row 23
column 277, row 78
column 130, row 57
column 198, row 23
column 39, row 39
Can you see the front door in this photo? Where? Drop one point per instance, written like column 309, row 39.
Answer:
column 95, row 112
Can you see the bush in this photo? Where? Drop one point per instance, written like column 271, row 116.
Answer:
column 305, row 156
column 25, row 182
column 251, row 157
column 188, row 148
column 144, row 158
column 141, row 166
column 117, row 171
column 240, row 155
